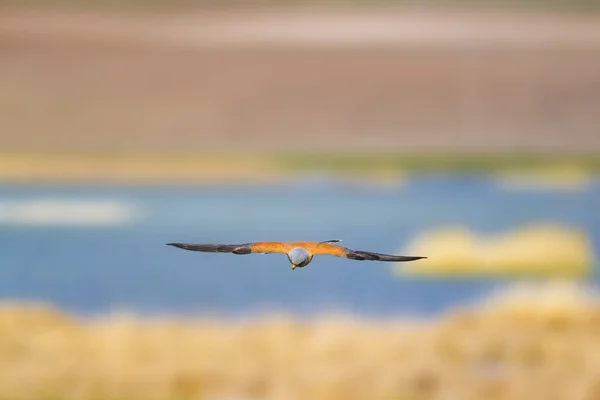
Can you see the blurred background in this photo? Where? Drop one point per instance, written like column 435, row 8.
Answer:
column 467, row 132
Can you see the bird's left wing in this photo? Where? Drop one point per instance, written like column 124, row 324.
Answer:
column 245, row 248
column 339, row 251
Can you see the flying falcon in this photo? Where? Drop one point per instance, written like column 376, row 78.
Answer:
column 300, row 254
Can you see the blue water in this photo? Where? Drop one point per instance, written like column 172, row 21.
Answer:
column 98, row 269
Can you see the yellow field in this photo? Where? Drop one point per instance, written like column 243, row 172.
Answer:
column 540, row 344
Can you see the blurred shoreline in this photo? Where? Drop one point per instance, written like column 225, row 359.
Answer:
column 268, row 167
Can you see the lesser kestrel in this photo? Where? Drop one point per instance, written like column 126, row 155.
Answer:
column 300, row 254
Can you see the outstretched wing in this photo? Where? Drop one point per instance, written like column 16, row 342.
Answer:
column 339, row 251
column 245, row 248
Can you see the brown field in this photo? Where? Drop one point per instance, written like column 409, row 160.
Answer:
column 214, row 80
column 520, row 346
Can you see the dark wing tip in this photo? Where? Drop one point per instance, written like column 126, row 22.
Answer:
column 366, row 255
column 194, row 247
column 411, row 258
column 214, row 248
column 386, row 257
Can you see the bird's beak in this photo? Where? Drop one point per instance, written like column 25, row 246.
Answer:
column 293, row 266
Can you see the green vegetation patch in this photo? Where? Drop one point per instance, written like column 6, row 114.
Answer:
column 429, row 162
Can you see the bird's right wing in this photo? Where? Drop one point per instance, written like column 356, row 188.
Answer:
column 246, row 248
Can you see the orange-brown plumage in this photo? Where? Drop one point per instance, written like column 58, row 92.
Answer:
column 300, row 253
column 271, row 247
column 327, row 248
column 313, row 248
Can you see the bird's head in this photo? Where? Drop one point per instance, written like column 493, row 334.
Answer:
column 299, row 257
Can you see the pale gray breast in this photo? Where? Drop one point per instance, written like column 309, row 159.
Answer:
column 299, row 256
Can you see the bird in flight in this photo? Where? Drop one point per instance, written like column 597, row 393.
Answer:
column 300, row 254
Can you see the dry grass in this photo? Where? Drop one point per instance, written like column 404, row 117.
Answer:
column 538, row 250
column 538, row 349
column 135, row 168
